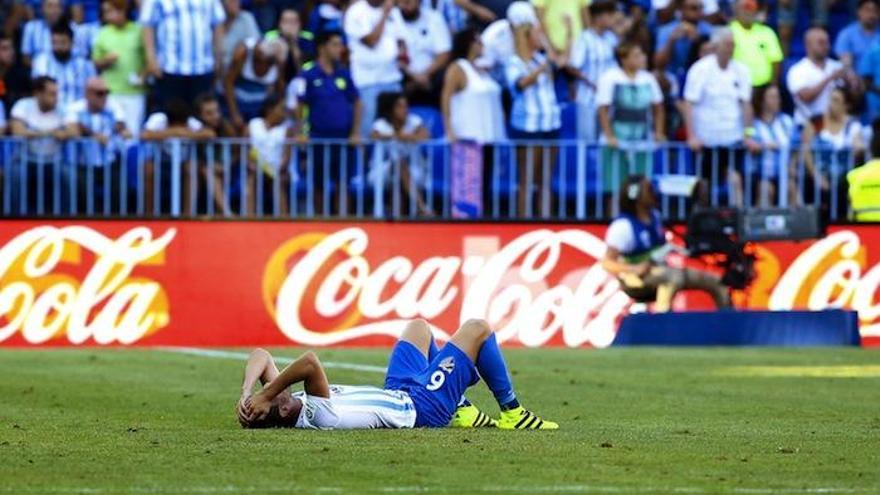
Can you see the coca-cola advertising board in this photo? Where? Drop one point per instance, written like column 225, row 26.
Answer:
column 197, row 283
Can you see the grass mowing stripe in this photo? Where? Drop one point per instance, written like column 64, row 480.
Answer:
column 195, row 351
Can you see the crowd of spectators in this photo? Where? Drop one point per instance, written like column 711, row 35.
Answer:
column 710, row 73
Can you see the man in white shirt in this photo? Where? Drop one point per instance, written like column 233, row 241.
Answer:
column 718, row 114
column 375, row 40
column 428, row 44
column 169, row 136
column 39, row 120
column 811, row 80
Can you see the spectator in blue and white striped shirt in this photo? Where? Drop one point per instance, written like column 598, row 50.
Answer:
column 93, row 118
column 457, row 13
column 591, row 56
column 535, row 115
column 183, row 43
column 71, row 72
column 36, row 37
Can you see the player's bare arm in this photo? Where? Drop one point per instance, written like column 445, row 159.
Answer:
column 260, row 366
column 306, row 369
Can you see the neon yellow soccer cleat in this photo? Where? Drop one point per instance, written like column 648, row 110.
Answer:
column 521, row 419
column 471, row 417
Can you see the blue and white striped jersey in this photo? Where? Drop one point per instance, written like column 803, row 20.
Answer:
column 91, row 123
column 593, row 55
column 36, row 38
column 456, row 18
column 184, row 33
column 356, row 407
column 71, row 76
column 100, row 122
column 535, row 108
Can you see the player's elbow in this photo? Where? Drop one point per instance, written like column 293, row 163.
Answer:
column 311, row 359
column 259, row 352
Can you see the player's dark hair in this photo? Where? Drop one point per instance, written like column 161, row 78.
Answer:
column 863, row 2
column 177, row 111
column 602, row 7
column 273, row 420
column 62, row 28
column 38, row 84
column 462, row 41
column 626, row 202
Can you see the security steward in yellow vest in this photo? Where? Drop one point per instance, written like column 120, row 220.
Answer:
column 864, row 184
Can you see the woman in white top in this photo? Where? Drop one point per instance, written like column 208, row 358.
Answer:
column 471, row 99
column 774, row 131
column 269, row 156
column 836, row 147
column 401, row 132
column 471, row 102
column 535, row 119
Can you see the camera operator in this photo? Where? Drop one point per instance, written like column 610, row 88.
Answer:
column 637, row 244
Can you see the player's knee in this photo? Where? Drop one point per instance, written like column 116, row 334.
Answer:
column 478, row 327
column 418, row 329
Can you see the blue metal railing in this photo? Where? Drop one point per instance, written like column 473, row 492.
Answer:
column 226, row 178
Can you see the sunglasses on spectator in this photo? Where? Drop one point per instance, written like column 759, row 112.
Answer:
column 101, row 92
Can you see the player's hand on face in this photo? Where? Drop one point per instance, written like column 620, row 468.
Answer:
column 258, row 407
column 241, row 411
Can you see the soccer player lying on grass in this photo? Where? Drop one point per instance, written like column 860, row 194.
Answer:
column 424, row 387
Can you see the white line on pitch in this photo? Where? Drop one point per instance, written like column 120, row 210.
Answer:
column 194, row 351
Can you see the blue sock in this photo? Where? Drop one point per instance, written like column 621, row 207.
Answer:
column 432, row 351
column 493, row 369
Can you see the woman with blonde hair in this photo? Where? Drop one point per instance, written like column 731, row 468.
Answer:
column 535, row 118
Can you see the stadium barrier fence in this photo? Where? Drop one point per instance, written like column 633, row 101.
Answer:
column 565, row 180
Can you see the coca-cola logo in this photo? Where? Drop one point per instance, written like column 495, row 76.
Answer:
column 44, row 295
column 832, row 273
column 322, row 290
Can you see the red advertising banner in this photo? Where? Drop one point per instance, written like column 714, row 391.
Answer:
column 324, row 284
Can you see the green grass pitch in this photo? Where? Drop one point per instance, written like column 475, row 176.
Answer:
column 701, row 421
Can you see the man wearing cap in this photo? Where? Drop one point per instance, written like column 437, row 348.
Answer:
column 756, row 45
